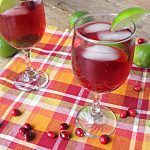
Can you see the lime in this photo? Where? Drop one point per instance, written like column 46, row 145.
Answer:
column 142, row 55
column 7, row 5
column 116, row 45
column 128, row 16
column 77, row 15
column 5, row 49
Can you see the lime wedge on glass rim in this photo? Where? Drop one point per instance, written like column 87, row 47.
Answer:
column 128, row 16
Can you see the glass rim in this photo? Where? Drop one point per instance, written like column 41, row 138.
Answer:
column 98, row 41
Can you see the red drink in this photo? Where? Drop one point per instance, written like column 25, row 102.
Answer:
column 23, row 25
column 104, row 66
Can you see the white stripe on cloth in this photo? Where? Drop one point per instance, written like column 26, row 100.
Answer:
column 49, row 30
column 49, row 51
column 76, row 97
column 137, row 119
column 72, row 111
column 48, row 56
column 21, row 142
column 22, row 92
column 4, row 148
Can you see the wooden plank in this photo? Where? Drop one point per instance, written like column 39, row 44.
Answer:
column 63, row 8
column 143, row 3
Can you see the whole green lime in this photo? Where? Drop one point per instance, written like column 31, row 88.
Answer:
column 5, row 49
column 142, row 55
column 77, row 15
column 7, row 5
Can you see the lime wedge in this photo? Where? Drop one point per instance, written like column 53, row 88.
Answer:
column 5, row 5
column 76, row 16
column 128, row 16
column 117, row 45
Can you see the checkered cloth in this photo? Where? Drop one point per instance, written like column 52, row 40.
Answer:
column 63, row 97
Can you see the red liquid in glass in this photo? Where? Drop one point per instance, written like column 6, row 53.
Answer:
column 102, row 67
column 23, row 25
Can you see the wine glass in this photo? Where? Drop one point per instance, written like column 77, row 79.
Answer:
column 22, row 25
column 101, row 62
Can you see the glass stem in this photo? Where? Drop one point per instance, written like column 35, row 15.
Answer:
column 96, row 104
column 26, row 53
column 30, row 73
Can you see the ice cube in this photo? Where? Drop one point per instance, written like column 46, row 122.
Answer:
column 101, row 53
column 96, row 27
column 114, row 36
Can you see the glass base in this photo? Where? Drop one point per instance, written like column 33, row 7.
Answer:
column 30, row 81
column 97, row 125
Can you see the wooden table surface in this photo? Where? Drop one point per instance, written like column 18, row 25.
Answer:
column 58, row 12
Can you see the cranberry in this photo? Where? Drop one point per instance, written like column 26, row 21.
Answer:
column 124, row 114
column 51, row 134
column 15, row 112
column 30, row 5
column 137, row 88
column 23, row 3
column 65, row 135
column 27, row 126
column 79, row 132
column 132, row 112
column 22, row 130
column 141, row 41
column 104, row 139
column 64, row 126
column 29, row 135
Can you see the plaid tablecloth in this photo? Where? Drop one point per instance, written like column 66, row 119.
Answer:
column 60, row 101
